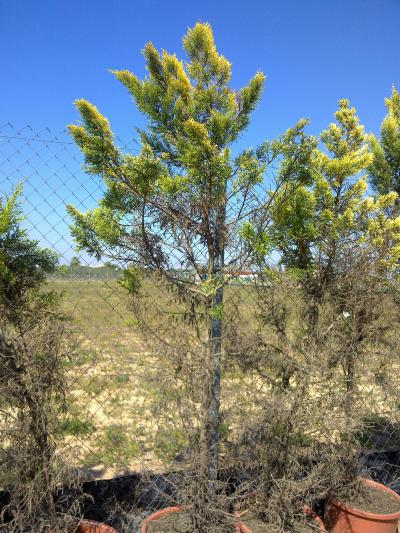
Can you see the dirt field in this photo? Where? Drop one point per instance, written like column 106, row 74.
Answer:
column 112, row 425
column 109, row 423
column 117, row 419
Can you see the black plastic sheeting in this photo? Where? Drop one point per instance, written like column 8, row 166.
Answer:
column 383, row 467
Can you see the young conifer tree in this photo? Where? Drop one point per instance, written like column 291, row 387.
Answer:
column 321, row 224
column 183, row 200
column 313, row 229
column 32, row 380
column 342, row 244
column 384, row 171
column 339, row 248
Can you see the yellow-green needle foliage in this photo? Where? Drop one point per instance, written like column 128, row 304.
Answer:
column 178, row 181
column 175, row 204
column 385, row 168
column 181, row 202
column 315, row 226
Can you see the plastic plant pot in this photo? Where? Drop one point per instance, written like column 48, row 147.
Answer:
column 163, row 512
column 341, row 518
column 240, row 527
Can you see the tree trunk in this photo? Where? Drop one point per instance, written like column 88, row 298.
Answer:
column 212, row 400
column 213, row 403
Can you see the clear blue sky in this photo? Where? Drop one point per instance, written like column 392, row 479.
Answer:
column 54, row 51
column 313, row 52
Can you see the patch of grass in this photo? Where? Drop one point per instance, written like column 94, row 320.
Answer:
column 80, row 358
column 224, row 430
column 116, row 446
column 131, row 322
column 169, row 442
column 121, row 379
column 116, row 400
column 377, row 431
column 95, row 384
column 76, row 426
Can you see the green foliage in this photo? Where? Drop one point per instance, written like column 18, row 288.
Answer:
column 184, row 162
column 216, row 312
column 169, row 442
column 76, row 426
column 314, row 223
column 224, row 430
column 131, row 279
column 377, row 430
column 280, row 431
column 23, row 264
column 10, row 214
column 121, row 379
column 93, row 228
column 32, row 382
column 75, row 262
column 61, row 270
column 117, row 446
column 259, row 242
column 384, row 170
column 294, row 151
column 294, row 229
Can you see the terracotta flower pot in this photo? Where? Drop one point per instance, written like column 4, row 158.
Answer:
column 345, row 519
column 242, row 528
column 88, row 526
column 239, row 528
column 170, row 510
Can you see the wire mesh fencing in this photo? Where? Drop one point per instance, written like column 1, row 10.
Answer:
column 120, row 416
column 103, row 343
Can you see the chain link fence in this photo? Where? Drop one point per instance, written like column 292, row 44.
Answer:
column 105, row 350
column 114, row 422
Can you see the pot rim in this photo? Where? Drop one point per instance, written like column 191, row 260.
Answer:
column 239, row 526
column 367, row 514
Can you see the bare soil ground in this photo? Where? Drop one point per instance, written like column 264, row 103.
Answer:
column 109, row 422
column 117, row 420
column 114, row 386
